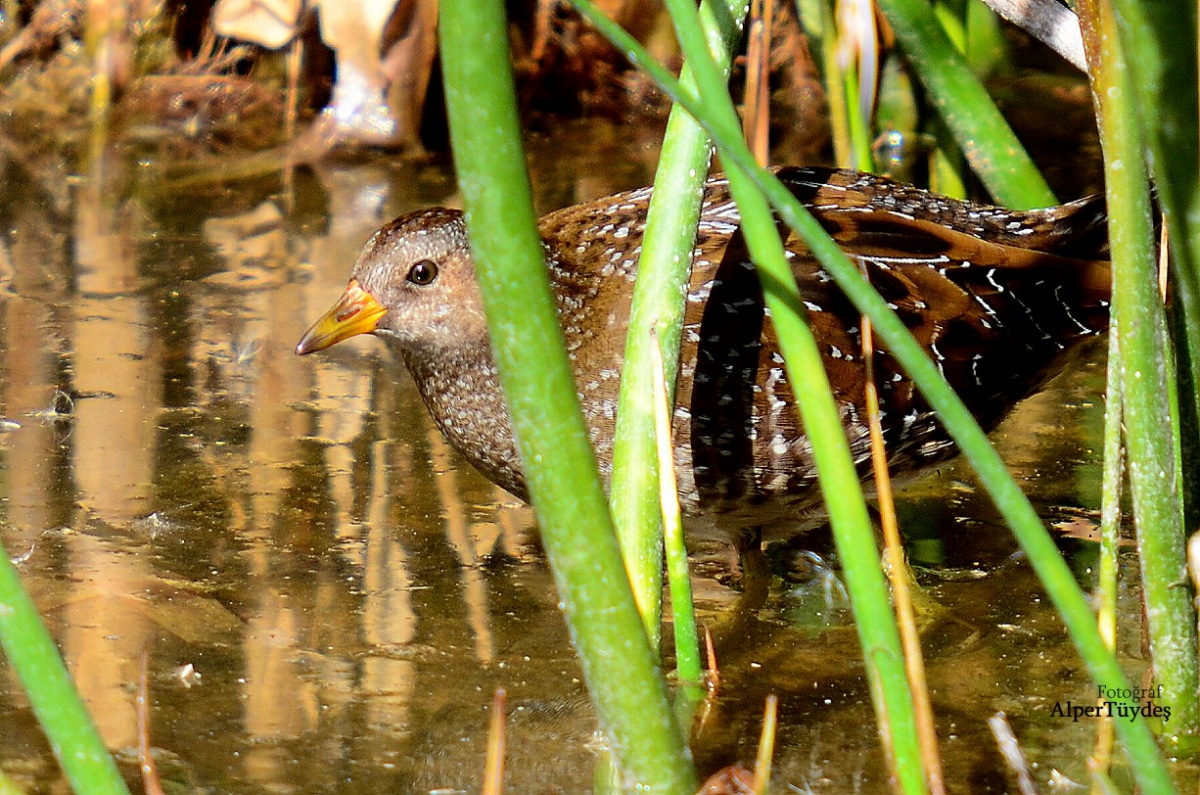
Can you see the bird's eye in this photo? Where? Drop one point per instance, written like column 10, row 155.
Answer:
column 423, row 272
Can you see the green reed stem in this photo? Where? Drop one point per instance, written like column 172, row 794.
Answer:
column 818, row 21
column 947, row 162
column 858, row 124
column 840, row 487
column 1052, row 570
column 1110, row 499
column 838, row 476
column 854, row 538
column 621, row 670
column 64, row 718
column 1163, row 37
column 1105, row 592
column 988, row 142
column 687, row 642
column 659, row 299
column 897, row 567
column 688, row 666
column 851, row 129
column 1144, row 367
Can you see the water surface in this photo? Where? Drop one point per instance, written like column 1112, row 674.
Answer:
column 328, row 597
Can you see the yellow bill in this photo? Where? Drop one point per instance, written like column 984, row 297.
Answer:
column 356, row 312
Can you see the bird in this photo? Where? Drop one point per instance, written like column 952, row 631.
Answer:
column 996, row 297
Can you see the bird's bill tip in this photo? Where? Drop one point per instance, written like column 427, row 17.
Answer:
column 356, row 312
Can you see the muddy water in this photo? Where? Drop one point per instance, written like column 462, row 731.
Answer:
column 327, row 598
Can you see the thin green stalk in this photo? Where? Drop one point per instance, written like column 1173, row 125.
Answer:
column 840, row 486
column 621, row 670
column 859, row 125
column 987, row 49
column 688, row 667
column 836, row 470
column 687, row 644
column 1056, row 577
column 818, row 20
column 1110, row 499
column 948, row 167
column 658, row 304
column 988, row 142
column 952, row 16
column 64, row 718
column 1108, row 565
column 947, row 163
column 1163, row 35
column 1144, row 366
column 853, row 536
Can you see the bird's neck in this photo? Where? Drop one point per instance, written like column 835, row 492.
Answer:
column 462, row 391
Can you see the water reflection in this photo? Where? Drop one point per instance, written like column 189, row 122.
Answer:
column 349, row 595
